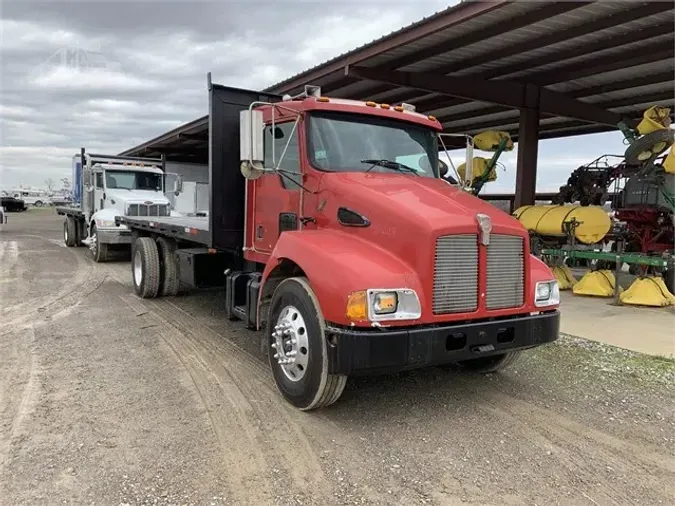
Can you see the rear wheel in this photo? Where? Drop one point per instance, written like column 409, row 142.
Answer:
column 38, row 203
column 170, row 281
column 491, row 364
column 145, row 268
column 298, row 354
column 69, row 232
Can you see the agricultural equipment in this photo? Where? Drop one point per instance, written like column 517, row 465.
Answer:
column 640, row 190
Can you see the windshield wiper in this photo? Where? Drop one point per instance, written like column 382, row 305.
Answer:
column 389, row 165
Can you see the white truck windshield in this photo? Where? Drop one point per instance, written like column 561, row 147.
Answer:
column 344, row 142
column 131, row 180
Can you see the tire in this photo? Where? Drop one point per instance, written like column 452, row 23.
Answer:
column 646, row 143
column 491, row 364
column 99, row 250
column 145, row 268
column 312, row 387
column 69, row 232
column 38, row 203
column 170, row 281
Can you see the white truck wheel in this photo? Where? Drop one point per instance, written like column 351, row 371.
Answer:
column 145, row 269
column 69, row 231
column 297, row 347
column 98, row 249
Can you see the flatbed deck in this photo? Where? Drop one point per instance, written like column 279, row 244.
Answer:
column 193, row 228
column 69, row 210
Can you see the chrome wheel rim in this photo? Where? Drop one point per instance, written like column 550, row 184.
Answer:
column 290, row 345
column 138, row 268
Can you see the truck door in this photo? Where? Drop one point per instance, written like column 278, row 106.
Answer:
column 277, row 197
column 98, row 191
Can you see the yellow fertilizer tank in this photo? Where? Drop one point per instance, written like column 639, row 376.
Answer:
column 593, row 223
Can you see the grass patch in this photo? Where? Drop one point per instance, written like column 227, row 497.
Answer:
column 616, row 364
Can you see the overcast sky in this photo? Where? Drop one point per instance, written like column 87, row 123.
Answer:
column 148, row 72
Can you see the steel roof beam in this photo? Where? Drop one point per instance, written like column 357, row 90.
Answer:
column 558, row 56
column 547, row 11
column 507, row 93
column 639, row 12
column 661, row 77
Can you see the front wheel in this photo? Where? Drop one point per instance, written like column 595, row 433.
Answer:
column 98, row 249
column 491, row 364
column 298, row 349
column 38, row 203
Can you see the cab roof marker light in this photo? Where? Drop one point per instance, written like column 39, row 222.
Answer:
column 385, row 106
column 370, row 103
column 323, row 99
column 399, row 108
column 431, row 118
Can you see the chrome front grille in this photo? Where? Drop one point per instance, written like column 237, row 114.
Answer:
column 148, row 210
column 505, row 272
column 456, row 274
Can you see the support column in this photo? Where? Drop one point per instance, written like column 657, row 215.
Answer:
column 528, row 145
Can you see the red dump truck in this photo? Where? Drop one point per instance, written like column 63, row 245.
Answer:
column 333, row 232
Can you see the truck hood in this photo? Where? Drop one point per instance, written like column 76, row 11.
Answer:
column 136, row 196
column 426, row 204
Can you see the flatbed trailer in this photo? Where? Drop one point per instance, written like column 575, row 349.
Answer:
column 378, row 267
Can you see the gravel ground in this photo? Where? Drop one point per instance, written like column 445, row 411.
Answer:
column 109, row 399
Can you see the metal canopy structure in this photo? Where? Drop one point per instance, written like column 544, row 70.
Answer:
column 538, row 70
column 187, row 143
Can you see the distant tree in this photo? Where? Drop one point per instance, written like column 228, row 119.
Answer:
column 49, row 183
column 65, row 184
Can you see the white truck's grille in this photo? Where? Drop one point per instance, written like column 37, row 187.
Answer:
column 505, row 272
column 148, row 210
column 456, row 274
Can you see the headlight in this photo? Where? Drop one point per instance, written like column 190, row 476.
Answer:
column 384, row 304
column 105, row 223
column 546, row 293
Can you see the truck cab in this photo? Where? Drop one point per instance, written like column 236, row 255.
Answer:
column 407, row 269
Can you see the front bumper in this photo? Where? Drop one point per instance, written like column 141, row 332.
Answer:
column 376, row 351
column 113, row 236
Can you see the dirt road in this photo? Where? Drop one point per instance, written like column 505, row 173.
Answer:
column 109, row 399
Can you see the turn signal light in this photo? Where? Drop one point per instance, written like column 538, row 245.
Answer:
column 357, row 307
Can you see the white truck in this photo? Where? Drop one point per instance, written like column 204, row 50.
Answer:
column 107, row 186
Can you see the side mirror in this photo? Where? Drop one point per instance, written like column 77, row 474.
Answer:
column 442, row 168
column 251, row 137
column 178, row 185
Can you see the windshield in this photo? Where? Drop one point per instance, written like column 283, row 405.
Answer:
column 344, row 142
column 130, row 180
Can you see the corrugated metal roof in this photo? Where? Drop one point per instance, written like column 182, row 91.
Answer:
column 574, row 48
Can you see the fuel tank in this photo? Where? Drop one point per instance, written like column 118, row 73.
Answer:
column 593, row 222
